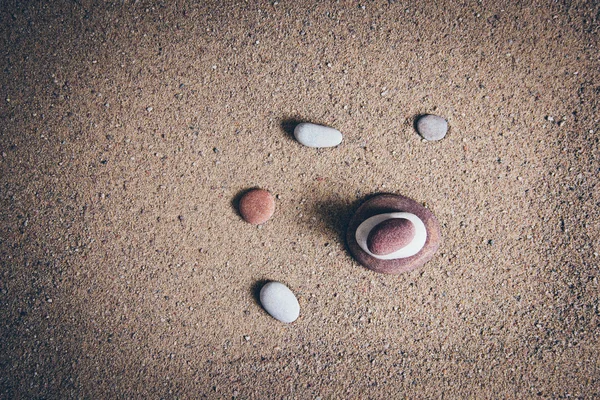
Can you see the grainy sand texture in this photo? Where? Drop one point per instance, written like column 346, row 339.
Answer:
column 129, row 130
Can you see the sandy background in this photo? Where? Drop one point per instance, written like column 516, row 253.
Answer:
column 129, row 128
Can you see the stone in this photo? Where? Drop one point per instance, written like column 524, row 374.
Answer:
column 416, row 243
column 432, row 127
column 380, row 208
column 279, row 301
column 257, row 206
column 313, row 135
column 390, row 235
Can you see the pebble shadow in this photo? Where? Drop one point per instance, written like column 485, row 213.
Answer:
column 336, row 214
column 415, row 120
column 288, row 125
column 255, row 291
column 235, row 202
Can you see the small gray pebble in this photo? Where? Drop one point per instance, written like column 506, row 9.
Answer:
column 313, row 135
column 432, row 127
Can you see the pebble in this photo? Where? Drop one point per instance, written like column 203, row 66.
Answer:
column 432, row 127
column 257, row 206
column 414, row 245
column 390, row 235
column 279, row 302
column 313, row 135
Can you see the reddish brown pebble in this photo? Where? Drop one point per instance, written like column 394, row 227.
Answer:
column 257, row 206
column 390, row 236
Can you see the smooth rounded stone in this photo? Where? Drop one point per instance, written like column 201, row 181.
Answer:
column 432, row 127
column 257, row 206
column 313, row 135
column 390, row 236
column 413, row 247
column 279, row 302
column 380, row 208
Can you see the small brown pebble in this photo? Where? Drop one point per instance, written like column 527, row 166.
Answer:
column 257, row 206
column 390, row 235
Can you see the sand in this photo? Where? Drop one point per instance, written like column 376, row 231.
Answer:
column 130, row 128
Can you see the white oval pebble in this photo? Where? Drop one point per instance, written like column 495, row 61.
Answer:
column 313, row 135
column 279, row 302
column 432, row 127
